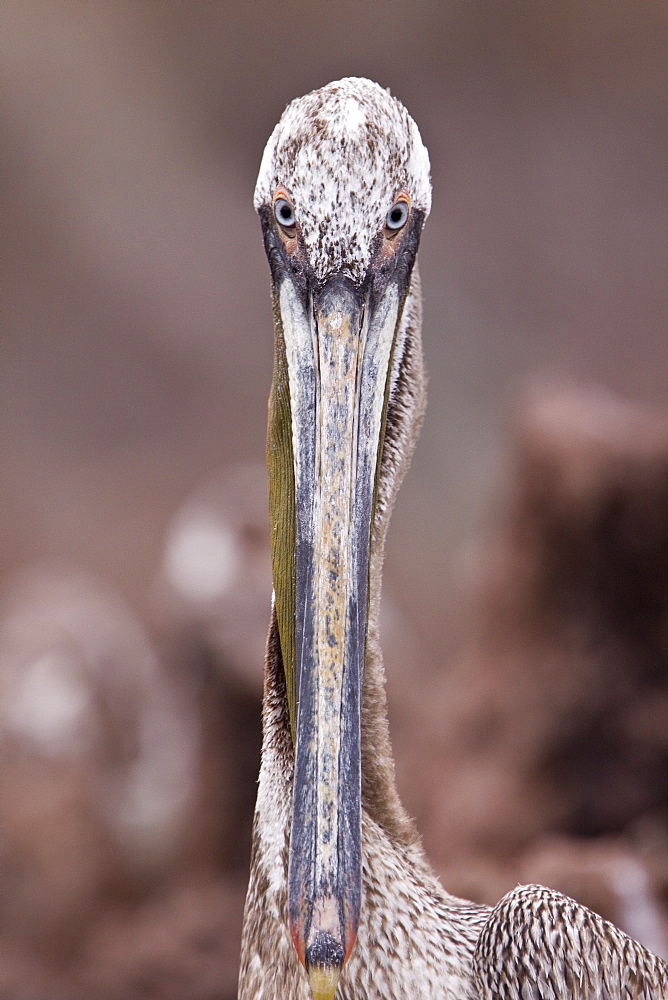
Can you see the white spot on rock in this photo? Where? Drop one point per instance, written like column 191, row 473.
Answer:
column 50, row 705
column 201, row 557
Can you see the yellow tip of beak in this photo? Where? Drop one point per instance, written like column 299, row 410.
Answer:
column 323, row 980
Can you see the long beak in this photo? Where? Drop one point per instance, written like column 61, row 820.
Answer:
column 337, row 347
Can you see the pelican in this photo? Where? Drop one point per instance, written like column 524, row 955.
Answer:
column 341, row 898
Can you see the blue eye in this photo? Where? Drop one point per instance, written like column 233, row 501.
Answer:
column 397, row 217
column 284, row 213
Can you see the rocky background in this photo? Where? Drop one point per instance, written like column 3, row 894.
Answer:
column 526, row 594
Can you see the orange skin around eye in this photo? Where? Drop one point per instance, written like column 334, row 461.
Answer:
column 391, row 243
column 289, row 241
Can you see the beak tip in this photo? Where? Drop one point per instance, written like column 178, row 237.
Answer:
column 323, row 980
column 324, row 961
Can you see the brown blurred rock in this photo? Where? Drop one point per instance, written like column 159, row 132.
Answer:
column 99, row 771
column 214, row 584
column 212, row 601
column 555, row 717
column 579, row 592
column 182, row 943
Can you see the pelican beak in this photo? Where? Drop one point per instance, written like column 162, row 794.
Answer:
column 334, row 344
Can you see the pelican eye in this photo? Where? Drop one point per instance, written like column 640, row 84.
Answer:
column 397, row 217
column 284, row 213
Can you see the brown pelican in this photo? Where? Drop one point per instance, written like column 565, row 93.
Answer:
column 341, row 897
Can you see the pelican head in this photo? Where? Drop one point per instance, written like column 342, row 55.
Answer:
column 342, row 194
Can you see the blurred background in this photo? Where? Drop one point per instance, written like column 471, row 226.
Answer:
column 525, row 614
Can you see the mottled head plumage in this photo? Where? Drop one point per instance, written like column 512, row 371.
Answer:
column 343, row 153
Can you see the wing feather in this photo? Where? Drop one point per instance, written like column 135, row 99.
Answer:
column 540, row 945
